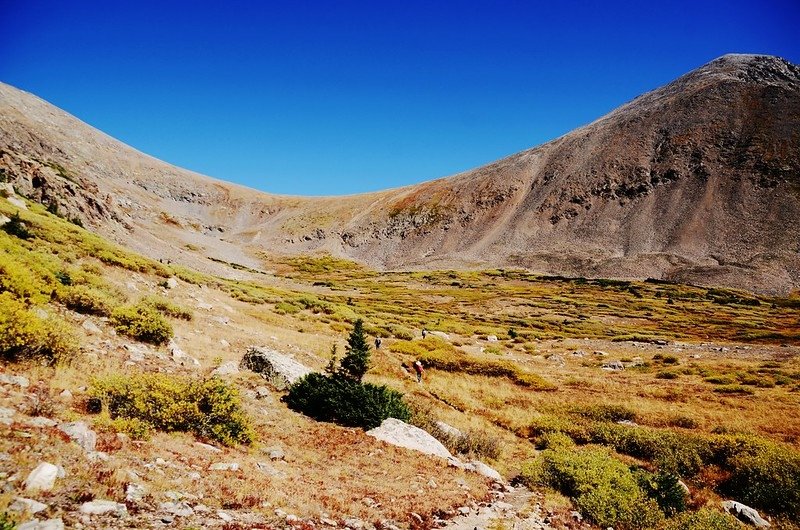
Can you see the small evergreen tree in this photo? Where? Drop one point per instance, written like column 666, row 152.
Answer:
column 355, row 363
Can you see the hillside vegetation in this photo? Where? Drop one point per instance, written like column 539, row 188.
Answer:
column 600, row 394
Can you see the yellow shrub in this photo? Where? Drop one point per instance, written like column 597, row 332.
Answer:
column 142, row 322
column 206, row 407
column 24, row 335
column 88, row 300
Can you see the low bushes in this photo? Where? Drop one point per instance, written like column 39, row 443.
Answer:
column 25, row 335
column 602, row 488
column 142, row 322
column 758, row 472
column 209, row 408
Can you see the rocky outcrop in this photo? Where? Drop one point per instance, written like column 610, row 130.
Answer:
column 278, row 368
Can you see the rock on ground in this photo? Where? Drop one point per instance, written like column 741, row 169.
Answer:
column 401, row 434
column 43, row 477
column 80, row 433
column 36, row 524
column 273, row 365
column 745, row 514
column 103, row 507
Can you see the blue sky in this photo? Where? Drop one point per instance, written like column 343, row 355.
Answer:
column 319, row 98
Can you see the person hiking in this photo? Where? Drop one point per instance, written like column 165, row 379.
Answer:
column 424, row 333
column 418, row 368
column 378, row 343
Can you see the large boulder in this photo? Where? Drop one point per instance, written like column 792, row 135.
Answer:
column 401, row 434
column 276, row 367
column 745, row 514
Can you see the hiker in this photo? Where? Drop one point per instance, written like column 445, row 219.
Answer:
column 419, row 370
column 377, row 343
column 424, row 333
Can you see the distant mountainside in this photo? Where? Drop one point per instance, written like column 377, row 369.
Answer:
column 697, row 181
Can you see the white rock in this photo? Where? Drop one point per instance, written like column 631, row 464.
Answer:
column 448, row 429
column 224, row 466
column 479, row 467
column 228, row 368
column 9, row 379
column 224, row 516
column 43, row 477
column 65, row 394
column 21, row 504
column 40, row 421
column 224, row 343
column 178, row 509
column 745, row 514
column 181, row 357
column 80, row 433
column 491, row 338
column 172, row 283
column 401, row 434
column 103, row 507
column 6, row 415
column 134, row 493
column 91, row 327
column 36, row 524
column 208, row 447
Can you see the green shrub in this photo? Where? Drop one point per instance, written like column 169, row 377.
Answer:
column 88, row 300
column 601, row 487
column 142, row 322
column 24, row 335
column 664, row 488
column 704, row 519
column 666, row 375
column 345, row 401
column 767, row 476
column 209, row 408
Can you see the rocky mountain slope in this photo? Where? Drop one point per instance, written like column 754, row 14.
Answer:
column 697, row 181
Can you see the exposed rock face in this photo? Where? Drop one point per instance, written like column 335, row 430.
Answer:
column 274, row 366
column 697, row 181
column 396, row 432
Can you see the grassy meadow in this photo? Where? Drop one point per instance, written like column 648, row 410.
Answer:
column 709, row 393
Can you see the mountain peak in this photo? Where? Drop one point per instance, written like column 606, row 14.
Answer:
column 755, row 68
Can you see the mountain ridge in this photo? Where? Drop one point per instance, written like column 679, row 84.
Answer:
column 696, row 181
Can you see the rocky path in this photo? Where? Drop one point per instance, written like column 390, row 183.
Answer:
column 515, row 508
